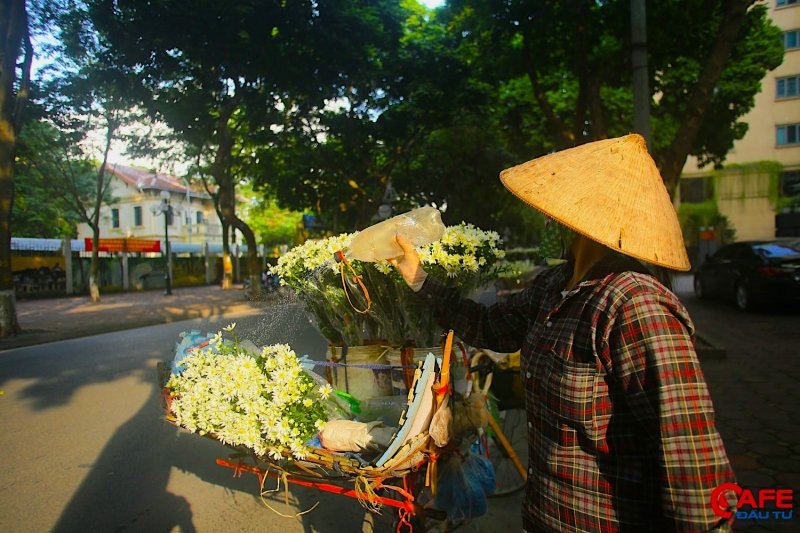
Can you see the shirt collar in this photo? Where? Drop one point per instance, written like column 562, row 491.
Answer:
column 610, row 265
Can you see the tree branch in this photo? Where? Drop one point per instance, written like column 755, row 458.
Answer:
column 556, row 126
column 734, row 12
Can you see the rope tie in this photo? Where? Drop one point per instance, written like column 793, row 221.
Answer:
column 370, row 366
column 356, row 280
column 285, row 480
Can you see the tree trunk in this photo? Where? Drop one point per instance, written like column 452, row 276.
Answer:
column 221, row 172
column 227, row 265
column 94, row 223
column 94, row 270
column 15, row 39
column 253, row 264
column 561, row 133
column 8, row 308
column 734, row 12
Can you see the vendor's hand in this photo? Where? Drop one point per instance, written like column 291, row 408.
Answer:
column 408, row 264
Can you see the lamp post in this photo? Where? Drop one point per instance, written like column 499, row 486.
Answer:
column 164, row 208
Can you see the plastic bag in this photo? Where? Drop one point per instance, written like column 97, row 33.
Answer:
column 470, row 414
column 189, row 342
column 463, row 482
column 441, row 428
column 352, row 436
column 335, row 406
column 421, row 226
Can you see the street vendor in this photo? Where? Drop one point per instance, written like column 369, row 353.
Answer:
column 621, row 425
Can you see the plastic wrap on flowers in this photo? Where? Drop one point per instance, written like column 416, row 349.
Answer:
column 190, row 341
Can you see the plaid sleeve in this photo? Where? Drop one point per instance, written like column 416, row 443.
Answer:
column 501, row 327
column 654, row 360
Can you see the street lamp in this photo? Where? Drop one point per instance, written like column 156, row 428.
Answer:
column 164, row 208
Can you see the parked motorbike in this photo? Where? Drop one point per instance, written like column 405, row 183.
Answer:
column 268, row 286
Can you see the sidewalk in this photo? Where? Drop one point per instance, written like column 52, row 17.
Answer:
column 55, row 319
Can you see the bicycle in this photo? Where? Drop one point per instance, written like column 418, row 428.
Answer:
column 496, row 375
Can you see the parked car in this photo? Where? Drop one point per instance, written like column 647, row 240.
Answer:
column 752, row 273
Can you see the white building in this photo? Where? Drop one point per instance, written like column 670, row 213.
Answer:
column 136, row 191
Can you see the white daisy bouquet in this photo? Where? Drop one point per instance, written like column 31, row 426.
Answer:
column 311, row 271
column 265, row 401
column 465, row 257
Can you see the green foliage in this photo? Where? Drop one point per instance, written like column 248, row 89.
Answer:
column 757, row 51
column 577, row 56
column 323, row 105
column 693, row 217
column 54, row 185
column 272, row 224
column 767, row 171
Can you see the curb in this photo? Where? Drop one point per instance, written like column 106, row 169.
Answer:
column 709, row 348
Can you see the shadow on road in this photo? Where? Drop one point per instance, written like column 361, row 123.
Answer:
column 149, row 475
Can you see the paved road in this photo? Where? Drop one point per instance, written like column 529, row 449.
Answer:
column 85, row 447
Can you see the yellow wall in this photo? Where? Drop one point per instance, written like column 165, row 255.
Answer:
column 23, row 262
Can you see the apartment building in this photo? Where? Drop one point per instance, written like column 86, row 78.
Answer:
column 761, row 178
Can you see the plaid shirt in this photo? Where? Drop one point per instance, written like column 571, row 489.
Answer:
column 621, row 426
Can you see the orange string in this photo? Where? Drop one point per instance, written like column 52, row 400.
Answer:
column 356, row 279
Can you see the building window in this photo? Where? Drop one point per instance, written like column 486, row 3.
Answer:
column 199, row 215
column 790, row 183
column 170, row 217
column 786, row 87
column 786, row 2
column 115, row 218
column 788, row 134
column 137, row 215
column 697, row 190
column 790, row 39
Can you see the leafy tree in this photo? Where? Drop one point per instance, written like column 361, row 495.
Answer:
column 340, row 160
column 272, row 224
column 235, row 64
column 15, row 78
column 37, row 212
column 575, row 56
column 90, row 92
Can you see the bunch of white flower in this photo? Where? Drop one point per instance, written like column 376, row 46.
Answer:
column 294, row 267
column 463, row 249
column 465, row 257
column 266, row 402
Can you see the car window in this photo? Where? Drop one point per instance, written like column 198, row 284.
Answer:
column 745, row 253
column 778, row 249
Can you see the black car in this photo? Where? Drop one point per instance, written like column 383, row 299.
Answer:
column 752, row 273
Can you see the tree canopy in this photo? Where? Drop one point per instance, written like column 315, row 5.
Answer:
column 323, row 105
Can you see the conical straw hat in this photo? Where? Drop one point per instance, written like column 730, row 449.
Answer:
column 609, row 191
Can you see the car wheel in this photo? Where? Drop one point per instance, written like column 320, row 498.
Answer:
column 699, row 287
column 744, row 299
